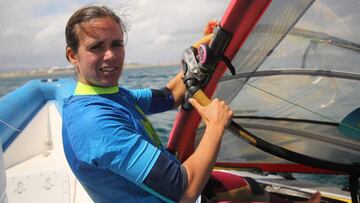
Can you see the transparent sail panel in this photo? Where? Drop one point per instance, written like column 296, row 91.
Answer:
column 270, row 30
column 298, row 82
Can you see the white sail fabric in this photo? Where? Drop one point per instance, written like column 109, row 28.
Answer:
column 298, row 76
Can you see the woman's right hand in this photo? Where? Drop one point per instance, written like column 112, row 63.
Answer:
column 217, row 113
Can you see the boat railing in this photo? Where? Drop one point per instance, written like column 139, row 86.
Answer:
column 19, row 107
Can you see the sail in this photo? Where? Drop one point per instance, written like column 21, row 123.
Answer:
column 296, row 83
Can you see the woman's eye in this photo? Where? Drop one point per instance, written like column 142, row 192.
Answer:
column 95, row 47
column 118, row 44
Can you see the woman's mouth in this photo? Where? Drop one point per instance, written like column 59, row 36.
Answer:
column 108, row 69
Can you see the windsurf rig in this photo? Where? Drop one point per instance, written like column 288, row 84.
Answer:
column 204, row 66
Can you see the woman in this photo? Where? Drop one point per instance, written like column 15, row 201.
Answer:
column 109, row 144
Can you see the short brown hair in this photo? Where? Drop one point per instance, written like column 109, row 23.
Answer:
column 86, row 14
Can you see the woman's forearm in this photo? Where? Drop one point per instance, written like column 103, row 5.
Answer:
column 177, row 87
column 200, row 164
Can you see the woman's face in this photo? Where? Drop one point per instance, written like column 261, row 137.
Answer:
column 100, row 56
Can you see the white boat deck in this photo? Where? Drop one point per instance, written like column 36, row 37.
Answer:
column 36, row 167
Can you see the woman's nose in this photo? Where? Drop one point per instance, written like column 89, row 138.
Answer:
column 109, row 54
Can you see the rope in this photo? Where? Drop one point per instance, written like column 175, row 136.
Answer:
column 10, row 126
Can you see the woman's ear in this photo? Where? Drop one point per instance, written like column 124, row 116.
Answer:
column 70, row 54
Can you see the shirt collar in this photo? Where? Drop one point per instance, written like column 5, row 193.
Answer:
column 83, row 89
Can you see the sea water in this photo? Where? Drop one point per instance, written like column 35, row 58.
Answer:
column 147, row 77
column 153, row 77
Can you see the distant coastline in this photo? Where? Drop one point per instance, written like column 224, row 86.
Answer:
column 69, row 70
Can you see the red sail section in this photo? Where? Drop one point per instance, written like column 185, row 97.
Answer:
column 240, row 18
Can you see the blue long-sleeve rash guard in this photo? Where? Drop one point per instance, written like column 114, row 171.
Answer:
column 112, row 148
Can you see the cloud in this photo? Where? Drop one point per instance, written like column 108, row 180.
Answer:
column 47, row 33
column 161, row 30
column 33, row 31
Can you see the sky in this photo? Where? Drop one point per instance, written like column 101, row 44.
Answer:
column 32, row 32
